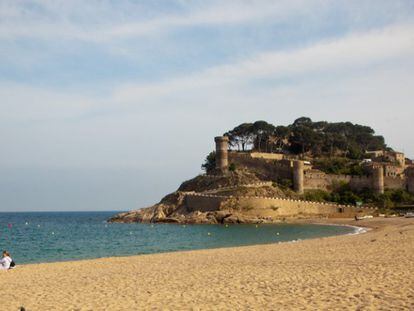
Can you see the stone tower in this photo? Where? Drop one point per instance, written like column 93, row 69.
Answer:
column 378, row 179
column 298, row 176
column 222, row 159
column 410, row 180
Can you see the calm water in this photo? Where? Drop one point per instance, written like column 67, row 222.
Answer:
column 47, row 236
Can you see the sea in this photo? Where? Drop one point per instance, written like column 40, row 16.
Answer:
column 37, row 237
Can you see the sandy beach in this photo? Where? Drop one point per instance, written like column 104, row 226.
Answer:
column 369, row 271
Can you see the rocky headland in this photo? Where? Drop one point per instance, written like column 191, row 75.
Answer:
column 261, row 173
column 173, row 208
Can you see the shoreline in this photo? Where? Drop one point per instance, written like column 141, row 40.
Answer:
column 357, row 230
column 366, row 271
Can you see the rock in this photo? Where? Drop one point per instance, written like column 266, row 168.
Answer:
column 220, row 215
column 233, row 219
column 211, row 218
column 159, row 214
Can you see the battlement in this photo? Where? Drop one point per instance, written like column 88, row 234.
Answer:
column 271, row 206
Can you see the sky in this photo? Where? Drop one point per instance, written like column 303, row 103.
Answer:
column 109, row 105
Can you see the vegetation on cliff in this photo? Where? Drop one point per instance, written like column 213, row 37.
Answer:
column 339, row 166
column 335, row 148
column 304, row 136
column 204, row 183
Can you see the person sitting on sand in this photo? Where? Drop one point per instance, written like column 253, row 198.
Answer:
column 5, row 262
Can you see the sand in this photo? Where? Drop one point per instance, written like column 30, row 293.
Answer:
column 370, row 271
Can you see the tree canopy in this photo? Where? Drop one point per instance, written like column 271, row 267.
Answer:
column 305, row 136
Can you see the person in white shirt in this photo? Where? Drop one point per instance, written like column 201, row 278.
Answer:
column 5, row 261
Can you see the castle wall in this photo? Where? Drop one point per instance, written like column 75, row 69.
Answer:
column 327, row 181
column 271, row 207
column 355, row 182
column 205, row 203
column 338, row 179
column 315, row 183
column 360, row 182
column 324, row 181
column 269, row 156
column 270, row 169
column 394, row 182
column 265, row 168
column 287, row 207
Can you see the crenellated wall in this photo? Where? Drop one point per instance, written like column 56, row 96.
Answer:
column 273, row 207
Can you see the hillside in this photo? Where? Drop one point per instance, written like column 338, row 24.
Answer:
column 172, row 208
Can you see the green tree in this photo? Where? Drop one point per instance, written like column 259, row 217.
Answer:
column 262, row 131
column 241, row 136
column 319, row 138
column 210, row 162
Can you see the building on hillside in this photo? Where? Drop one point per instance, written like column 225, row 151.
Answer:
column 395, row 157
column 390, row 169
column 393, row 170
column 387, row 156
column 375, row 154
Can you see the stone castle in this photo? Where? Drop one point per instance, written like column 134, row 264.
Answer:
column 221, row 197
column 384, row 169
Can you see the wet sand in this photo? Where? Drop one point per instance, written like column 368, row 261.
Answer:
column 369, row 271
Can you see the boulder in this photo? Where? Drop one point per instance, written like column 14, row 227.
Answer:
column 233, row 219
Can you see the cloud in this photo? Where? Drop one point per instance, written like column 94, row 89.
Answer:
column 103, row 21
column 222, row 13
column 237, row 82
column 76, row 20
column 25, row 102
column 354, row 51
